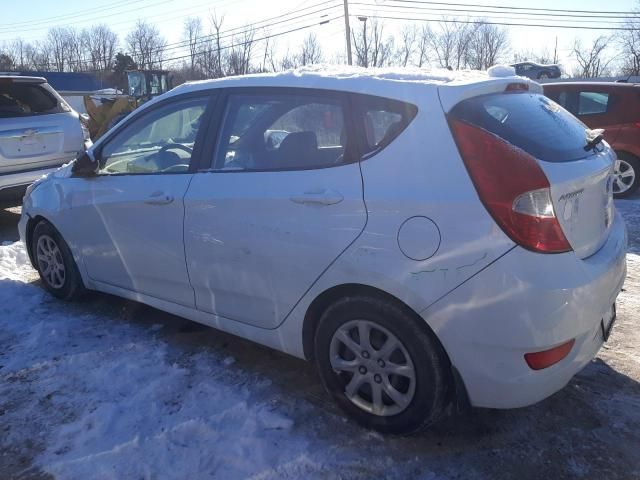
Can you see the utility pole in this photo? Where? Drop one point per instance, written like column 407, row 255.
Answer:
column 347, row 31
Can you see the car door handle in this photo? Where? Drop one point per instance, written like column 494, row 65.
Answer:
column 159, row 198
column 323, row 197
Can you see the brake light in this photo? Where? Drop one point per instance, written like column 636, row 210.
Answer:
column 517, row 87
column 546, row 358
column 512, row 187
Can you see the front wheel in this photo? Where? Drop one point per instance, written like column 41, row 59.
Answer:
column 380, row 366
column 625, row 175
column 54, row 262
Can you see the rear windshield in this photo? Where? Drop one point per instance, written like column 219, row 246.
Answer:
column 26, row 99
column 532, row 122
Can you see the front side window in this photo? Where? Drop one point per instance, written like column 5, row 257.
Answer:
column 592, row 102
column 282, row 131
column 161, row 141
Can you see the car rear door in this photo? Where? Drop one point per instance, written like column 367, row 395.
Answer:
column 130, row 216
column 269, row 215
column 37, row 129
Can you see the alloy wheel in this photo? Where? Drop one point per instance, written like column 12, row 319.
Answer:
column 623, row 176
column 50, row 261
column 378, row 374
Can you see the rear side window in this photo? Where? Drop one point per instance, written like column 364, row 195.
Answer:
column 383, row 120
column 592, row 102
column 26, row 99
column 532, row 122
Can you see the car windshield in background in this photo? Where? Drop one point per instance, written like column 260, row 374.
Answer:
column 531, row 122
column 25, row 99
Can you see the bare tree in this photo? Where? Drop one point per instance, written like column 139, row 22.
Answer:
column 488, row 44
column 238, row 59
column 541, row 56
column 100, row 44
column 629, row 43
column 17, row 50
column 210, row 50
column 422, row 48
column 310, row 52
column 408, row 39
column 192, row 32
column 591, row 59
column 450, row 42
column 372, row 48
column 146, row 45
column 60, row 43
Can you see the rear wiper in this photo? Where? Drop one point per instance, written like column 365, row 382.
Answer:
column 594, row 137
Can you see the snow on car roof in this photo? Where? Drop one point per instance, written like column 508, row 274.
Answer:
column 339, row 77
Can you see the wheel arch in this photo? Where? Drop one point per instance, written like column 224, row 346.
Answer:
column 31, row 225
column 457, row 393
column 322, row 301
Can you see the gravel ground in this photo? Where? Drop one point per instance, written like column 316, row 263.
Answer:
column 107, row 388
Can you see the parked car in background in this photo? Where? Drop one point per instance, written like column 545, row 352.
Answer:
column 537, row 71
column 38, row 133
column 401, row 232
column 614, row 107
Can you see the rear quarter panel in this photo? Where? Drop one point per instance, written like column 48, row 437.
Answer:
column 420, row 174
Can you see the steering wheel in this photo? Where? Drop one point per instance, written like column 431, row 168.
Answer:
column 179, row 146
column 181, row 167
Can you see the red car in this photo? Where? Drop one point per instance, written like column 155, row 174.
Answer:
column 615, row 107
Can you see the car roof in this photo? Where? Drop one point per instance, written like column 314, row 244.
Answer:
column 22, row 79
column 390, row 82
column 593, row 84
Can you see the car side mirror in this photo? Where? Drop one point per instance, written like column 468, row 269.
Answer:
column 86, row 165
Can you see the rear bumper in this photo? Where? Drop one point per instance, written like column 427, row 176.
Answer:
column 527, row 302
column 26, row 177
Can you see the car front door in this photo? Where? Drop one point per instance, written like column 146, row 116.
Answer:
column 131, row 214
column 281, row 201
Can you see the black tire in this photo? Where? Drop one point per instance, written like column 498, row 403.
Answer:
column 72, row 286
column 634, row 162
column 432, row 369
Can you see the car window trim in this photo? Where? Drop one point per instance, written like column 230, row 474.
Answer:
column 217, row 122
column 208, row 95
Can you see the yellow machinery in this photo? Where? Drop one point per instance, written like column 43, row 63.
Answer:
column 106, row 111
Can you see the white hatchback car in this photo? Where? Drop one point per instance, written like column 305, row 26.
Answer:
column 422, row 239
column 38, row 133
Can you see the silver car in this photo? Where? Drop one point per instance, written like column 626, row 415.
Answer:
column 38, row 133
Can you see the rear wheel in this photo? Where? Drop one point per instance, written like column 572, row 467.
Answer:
column 625, row 175
column 53, row 259
column 380, row 366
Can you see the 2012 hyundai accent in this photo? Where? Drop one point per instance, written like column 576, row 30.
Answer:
column 422, row 239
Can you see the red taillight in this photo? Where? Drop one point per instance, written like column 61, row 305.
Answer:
column 546, row 358
column 512, row 187
column 517, row 87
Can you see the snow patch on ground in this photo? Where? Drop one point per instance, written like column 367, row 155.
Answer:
column 109, row 398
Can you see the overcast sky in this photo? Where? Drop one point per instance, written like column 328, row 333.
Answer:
column 30, row 20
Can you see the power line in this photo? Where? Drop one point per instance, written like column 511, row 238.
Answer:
column 534, row 14
column 507, row 24
column 47, row 23
column 508, row 7
column 483, row 14
column 223, row 47
column 260, row 24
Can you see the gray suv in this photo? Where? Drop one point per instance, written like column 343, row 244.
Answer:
column 537, row 71
column 38, row 133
